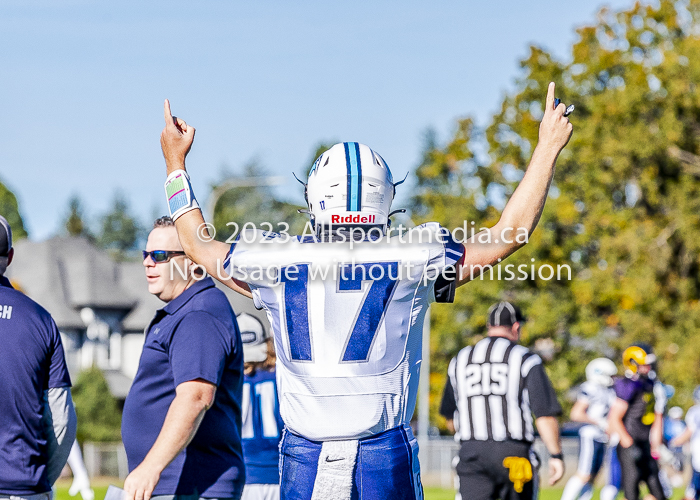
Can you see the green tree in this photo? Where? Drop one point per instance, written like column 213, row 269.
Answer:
column 622, row 212
column 9, row 209
column 75, row 221
column 99, row 418
column 247, row 199
column 120, row 231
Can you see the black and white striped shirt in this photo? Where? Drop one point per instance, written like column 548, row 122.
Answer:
column 493, row 389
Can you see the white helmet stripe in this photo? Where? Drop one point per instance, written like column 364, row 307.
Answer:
column 511, row 310
column 498, row 313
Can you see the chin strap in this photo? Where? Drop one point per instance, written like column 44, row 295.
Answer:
column 399, row 211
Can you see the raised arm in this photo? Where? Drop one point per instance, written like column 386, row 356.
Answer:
column 176, row 140
column 523, row 210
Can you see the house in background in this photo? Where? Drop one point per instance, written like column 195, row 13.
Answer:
column 101, row 307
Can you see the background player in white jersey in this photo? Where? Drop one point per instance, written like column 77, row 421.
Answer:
column 591, row 407
column 262, row 423
column 347, row 316
column 692, row 434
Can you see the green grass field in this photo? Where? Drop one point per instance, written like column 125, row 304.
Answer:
column 545, row 494
column 100, row 487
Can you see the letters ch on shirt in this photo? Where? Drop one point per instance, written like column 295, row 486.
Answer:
column 5, row 312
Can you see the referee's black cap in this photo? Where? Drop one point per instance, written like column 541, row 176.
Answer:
column 505, row 314
column 5, row 237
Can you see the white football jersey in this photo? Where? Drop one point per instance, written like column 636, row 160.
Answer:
column 599, row 400
column 347, row 320
column 692, row 419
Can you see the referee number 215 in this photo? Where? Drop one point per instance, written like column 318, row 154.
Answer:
column 486, row 379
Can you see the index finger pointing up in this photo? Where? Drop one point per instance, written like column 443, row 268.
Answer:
column 549, row 105
column 167, row 113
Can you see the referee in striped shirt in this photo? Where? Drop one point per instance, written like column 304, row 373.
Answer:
column 492, row 391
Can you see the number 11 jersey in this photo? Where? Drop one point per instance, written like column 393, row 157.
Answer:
column 347, row 319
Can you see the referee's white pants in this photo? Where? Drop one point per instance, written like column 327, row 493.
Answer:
column 261, row 492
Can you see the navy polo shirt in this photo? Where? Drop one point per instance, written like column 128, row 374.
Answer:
column 195, row 336
column 31, row 357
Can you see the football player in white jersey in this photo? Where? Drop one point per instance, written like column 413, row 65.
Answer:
column 592, row 406
column 347, row 306
column 692, row 434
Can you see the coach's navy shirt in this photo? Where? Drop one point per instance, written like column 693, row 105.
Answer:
column 31, row 362
column 195, row 336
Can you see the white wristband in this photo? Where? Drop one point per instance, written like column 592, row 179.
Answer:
column 179, row 194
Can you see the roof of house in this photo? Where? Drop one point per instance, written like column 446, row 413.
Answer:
column 66, row 274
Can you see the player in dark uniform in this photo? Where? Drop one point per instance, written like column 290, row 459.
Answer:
column 635, row 418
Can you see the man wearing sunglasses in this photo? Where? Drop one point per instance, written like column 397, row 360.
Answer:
column 181, row 424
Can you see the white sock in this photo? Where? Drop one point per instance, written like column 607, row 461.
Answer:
column 586, row 492
column 573, row 488
column 608, row 492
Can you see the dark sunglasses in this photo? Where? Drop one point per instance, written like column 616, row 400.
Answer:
column 160, row 256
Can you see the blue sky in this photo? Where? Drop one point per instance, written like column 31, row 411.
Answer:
column 83, row 84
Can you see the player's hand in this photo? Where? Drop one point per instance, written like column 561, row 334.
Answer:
column 555, row 128
column 626, row 441
column 139, row 485
column 556, row 470
column 175, row 140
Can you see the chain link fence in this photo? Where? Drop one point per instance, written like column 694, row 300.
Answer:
column 105, row 460
column 436, row 455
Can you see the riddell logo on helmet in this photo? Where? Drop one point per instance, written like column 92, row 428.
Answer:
column 353, row 219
